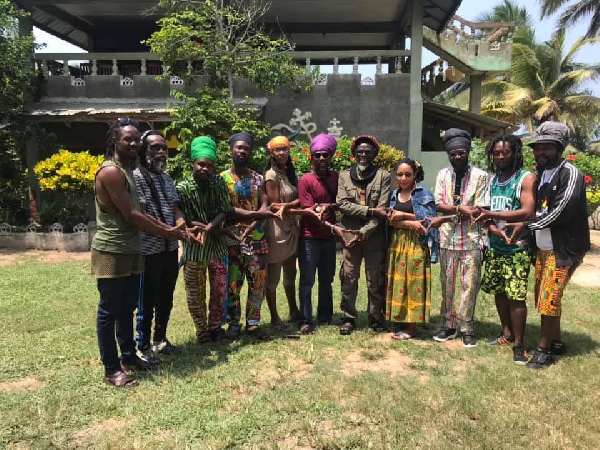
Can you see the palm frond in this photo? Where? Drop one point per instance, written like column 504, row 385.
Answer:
column 570, row 82
column 549, row 7
column 579, row 10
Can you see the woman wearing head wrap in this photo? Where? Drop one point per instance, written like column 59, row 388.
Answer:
column 204, row 202
column 282, row 235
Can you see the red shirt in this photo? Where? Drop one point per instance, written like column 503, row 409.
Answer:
column 312, row 191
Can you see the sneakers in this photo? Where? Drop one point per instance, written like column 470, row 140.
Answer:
column 165, row 347
column 148, row 356
column 501, row 340
column 469, row 340
column 520, row 356
column 541, row 359
column 558, row 348
column 445, row 335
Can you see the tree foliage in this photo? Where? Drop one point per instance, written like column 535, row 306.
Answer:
column 573, row 13
column 213, row 43
column 17, row 84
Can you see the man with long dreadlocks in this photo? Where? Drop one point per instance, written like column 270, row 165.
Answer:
column 159, row 200
column 507, row 265
column 117, row 252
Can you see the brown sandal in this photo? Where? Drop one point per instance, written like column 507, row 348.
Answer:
column 120, row 380
column 257, row 333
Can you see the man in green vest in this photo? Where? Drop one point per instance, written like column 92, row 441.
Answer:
column 117, row 252
column 507, row 265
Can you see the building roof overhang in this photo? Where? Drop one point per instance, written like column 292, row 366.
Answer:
column 310, row 24
column 444, row 117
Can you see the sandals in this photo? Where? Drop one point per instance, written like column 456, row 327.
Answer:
column 120, row 380
column 254, row 331
column 280, row 326
column 307, row 329
column 347, row 328
column 378, row 327
column 205, row 337
column 136, row 363
column 218, row 334
column 401, row 336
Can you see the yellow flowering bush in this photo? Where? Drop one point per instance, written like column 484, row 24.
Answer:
column 68, row 171
column 593, row 200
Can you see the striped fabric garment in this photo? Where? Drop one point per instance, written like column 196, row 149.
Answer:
column 152, row 244
column 475, row 191
column 203, row 206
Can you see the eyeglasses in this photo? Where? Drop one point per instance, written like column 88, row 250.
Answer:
column 457, row 154
column 323, row 155
column 124, row 121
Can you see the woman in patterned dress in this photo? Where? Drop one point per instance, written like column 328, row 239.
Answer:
column 408, row 286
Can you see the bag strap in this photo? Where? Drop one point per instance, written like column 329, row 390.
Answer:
column 327, row 188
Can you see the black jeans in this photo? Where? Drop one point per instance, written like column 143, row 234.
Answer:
column 118, row 297
column 156, row 296
column 316, row 256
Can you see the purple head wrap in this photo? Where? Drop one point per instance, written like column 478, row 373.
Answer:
column 323, row 143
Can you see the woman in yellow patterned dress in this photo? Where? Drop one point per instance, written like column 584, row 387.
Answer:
column 408, row 287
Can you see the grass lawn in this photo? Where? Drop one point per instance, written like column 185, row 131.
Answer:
column 324, row 391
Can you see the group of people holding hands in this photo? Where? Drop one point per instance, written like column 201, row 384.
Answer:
column 241, row 225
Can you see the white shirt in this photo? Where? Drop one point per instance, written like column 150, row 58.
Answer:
column 543, row 238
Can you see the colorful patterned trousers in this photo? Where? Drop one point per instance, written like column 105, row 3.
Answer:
column 470, row 263
column 254, row 269
column 195, row 290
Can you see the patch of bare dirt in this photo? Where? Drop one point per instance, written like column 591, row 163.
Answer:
column 24, row 384
column 90, row 435
column 391, row 362
column 271, row 373
column 292, row 443
column 588, row 274
column 10, row 257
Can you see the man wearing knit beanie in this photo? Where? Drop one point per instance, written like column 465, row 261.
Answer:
column 204, row 202
column 459, row 190
column 361, row 189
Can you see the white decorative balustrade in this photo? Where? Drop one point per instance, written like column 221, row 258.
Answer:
column 55, row 238
column 79, row 66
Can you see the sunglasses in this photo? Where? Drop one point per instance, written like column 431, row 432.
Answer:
column 321, row 155
column 124, row 121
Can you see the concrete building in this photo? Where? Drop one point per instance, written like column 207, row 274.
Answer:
column 83, row 93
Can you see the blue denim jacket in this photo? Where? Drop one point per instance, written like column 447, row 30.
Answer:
column 423, row 206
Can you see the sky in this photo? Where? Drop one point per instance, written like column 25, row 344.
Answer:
column 469, row 9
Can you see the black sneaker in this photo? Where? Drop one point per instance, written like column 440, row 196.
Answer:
column 469, row 340
column 520, row 356
column 541, row 359
column 233, row 332
column 445, row 335
column 165, row 347
column 218, row 334
column 347, row 327
column 378, row 327
column 558, row 348
column 501, row 340
column 148, row 356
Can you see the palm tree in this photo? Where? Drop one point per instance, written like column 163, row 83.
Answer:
column 576, row 11
column 544, row 83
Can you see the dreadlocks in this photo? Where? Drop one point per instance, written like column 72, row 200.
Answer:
column 114, row 133
column 516, row 150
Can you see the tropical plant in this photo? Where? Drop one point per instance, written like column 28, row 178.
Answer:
column 544, row 83
column 575, row 11
column 68, row 172
column 342, row 159
column 226, row 41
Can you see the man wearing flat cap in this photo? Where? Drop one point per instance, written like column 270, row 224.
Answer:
column 362, row 188
column 204, row 201
column 459, row 190
column 562, row 234
column 247, row 253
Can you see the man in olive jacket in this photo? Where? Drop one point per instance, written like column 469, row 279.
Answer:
column 361, row 189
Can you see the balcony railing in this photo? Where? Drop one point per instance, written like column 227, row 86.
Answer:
column 128, row 65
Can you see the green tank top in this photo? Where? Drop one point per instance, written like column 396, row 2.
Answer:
column 506, row 196
column 115, row 234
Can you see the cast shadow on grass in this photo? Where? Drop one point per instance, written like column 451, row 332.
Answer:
column 577, row 343
column 195, row 356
